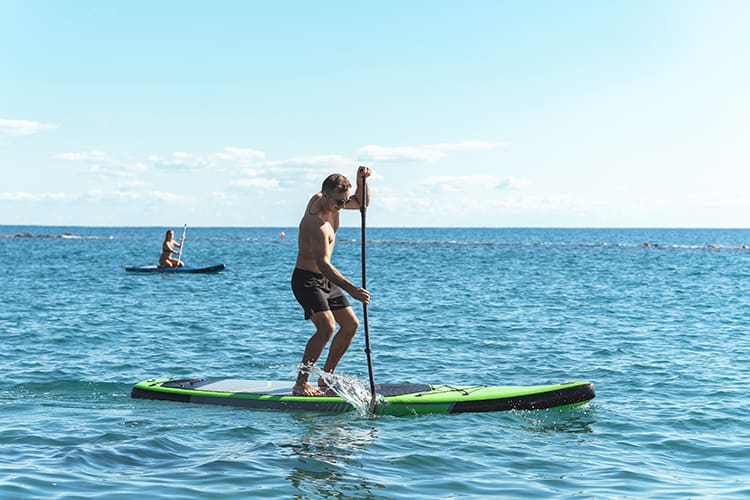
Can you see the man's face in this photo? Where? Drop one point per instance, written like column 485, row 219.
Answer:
column 340, row 199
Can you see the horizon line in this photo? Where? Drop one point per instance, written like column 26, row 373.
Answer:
column 149, row 226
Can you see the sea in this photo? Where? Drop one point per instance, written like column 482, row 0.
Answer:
column 657, row 319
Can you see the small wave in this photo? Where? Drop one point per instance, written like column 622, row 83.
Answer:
column 405, row 242
column 433, row 242
column 555, row 245
column 64, row 236
column 711, row 246
column 71, row 236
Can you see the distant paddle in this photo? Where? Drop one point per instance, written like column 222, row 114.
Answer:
column 363, row 211
column 182, row 241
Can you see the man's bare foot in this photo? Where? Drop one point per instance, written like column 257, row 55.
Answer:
column 305, row 390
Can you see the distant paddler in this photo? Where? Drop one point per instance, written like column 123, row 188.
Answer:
column 168, row 249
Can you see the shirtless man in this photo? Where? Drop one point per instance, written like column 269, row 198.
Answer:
column 317, row 284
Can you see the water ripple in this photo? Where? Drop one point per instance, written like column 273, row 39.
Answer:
column 661, row 329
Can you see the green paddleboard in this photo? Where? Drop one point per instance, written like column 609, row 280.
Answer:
column 393, row 399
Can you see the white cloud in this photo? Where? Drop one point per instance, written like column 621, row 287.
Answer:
column 137, row 166
column 507, row 183
column 328, row 161
column 231, row 156
column 429, row 153
column 32, row 197
column 536, row 203
column 257, row 182
column 87, row 156
column 103, row 165
column 251, row 169
column 448, row 208
column 252, row 172
column 309, row 169
column 110, row 172
column 409, row 202
column 126, row 195
column 254, row 161
column 150, row 195
column 160, row 195
column 131, row 184
column 185, row 160
column 451, row 183
column 23, row 127
column 246, row 154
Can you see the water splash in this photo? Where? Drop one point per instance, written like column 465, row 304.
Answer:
column 350, row 388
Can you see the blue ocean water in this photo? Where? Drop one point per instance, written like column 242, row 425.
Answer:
column 657, row 319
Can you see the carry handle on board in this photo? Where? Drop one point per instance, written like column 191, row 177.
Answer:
column 363, row 211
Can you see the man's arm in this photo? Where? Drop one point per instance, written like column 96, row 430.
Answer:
column 355, row 202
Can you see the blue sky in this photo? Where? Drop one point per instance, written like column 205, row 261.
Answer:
column 479, row 113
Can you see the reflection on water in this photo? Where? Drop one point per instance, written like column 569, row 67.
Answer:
column 573, row 420
column 327, row 459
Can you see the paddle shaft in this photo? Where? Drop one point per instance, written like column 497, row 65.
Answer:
column 182, row 242
column 363, row 211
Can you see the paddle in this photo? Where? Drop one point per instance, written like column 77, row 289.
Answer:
column 363, row 211
column 182, row 241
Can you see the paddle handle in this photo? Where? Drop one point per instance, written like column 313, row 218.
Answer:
column 182, row 241
column 368, row 351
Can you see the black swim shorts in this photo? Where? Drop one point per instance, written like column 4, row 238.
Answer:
column 316, row 293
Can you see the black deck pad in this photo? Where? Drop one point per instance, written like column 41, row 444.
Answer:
column 389, row 390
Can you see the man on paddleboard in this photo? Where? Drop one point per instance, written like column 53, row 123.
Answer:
column 317, row 284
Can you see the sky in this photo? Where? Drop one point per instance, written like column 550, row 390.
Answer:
column 470, row 113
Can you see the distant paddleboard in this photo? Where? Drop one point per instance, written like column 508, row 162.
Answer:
column 394, row 399
column 189, row 270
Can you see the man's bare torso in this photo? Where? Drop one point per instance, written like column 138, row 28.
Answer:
column 317, row 235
